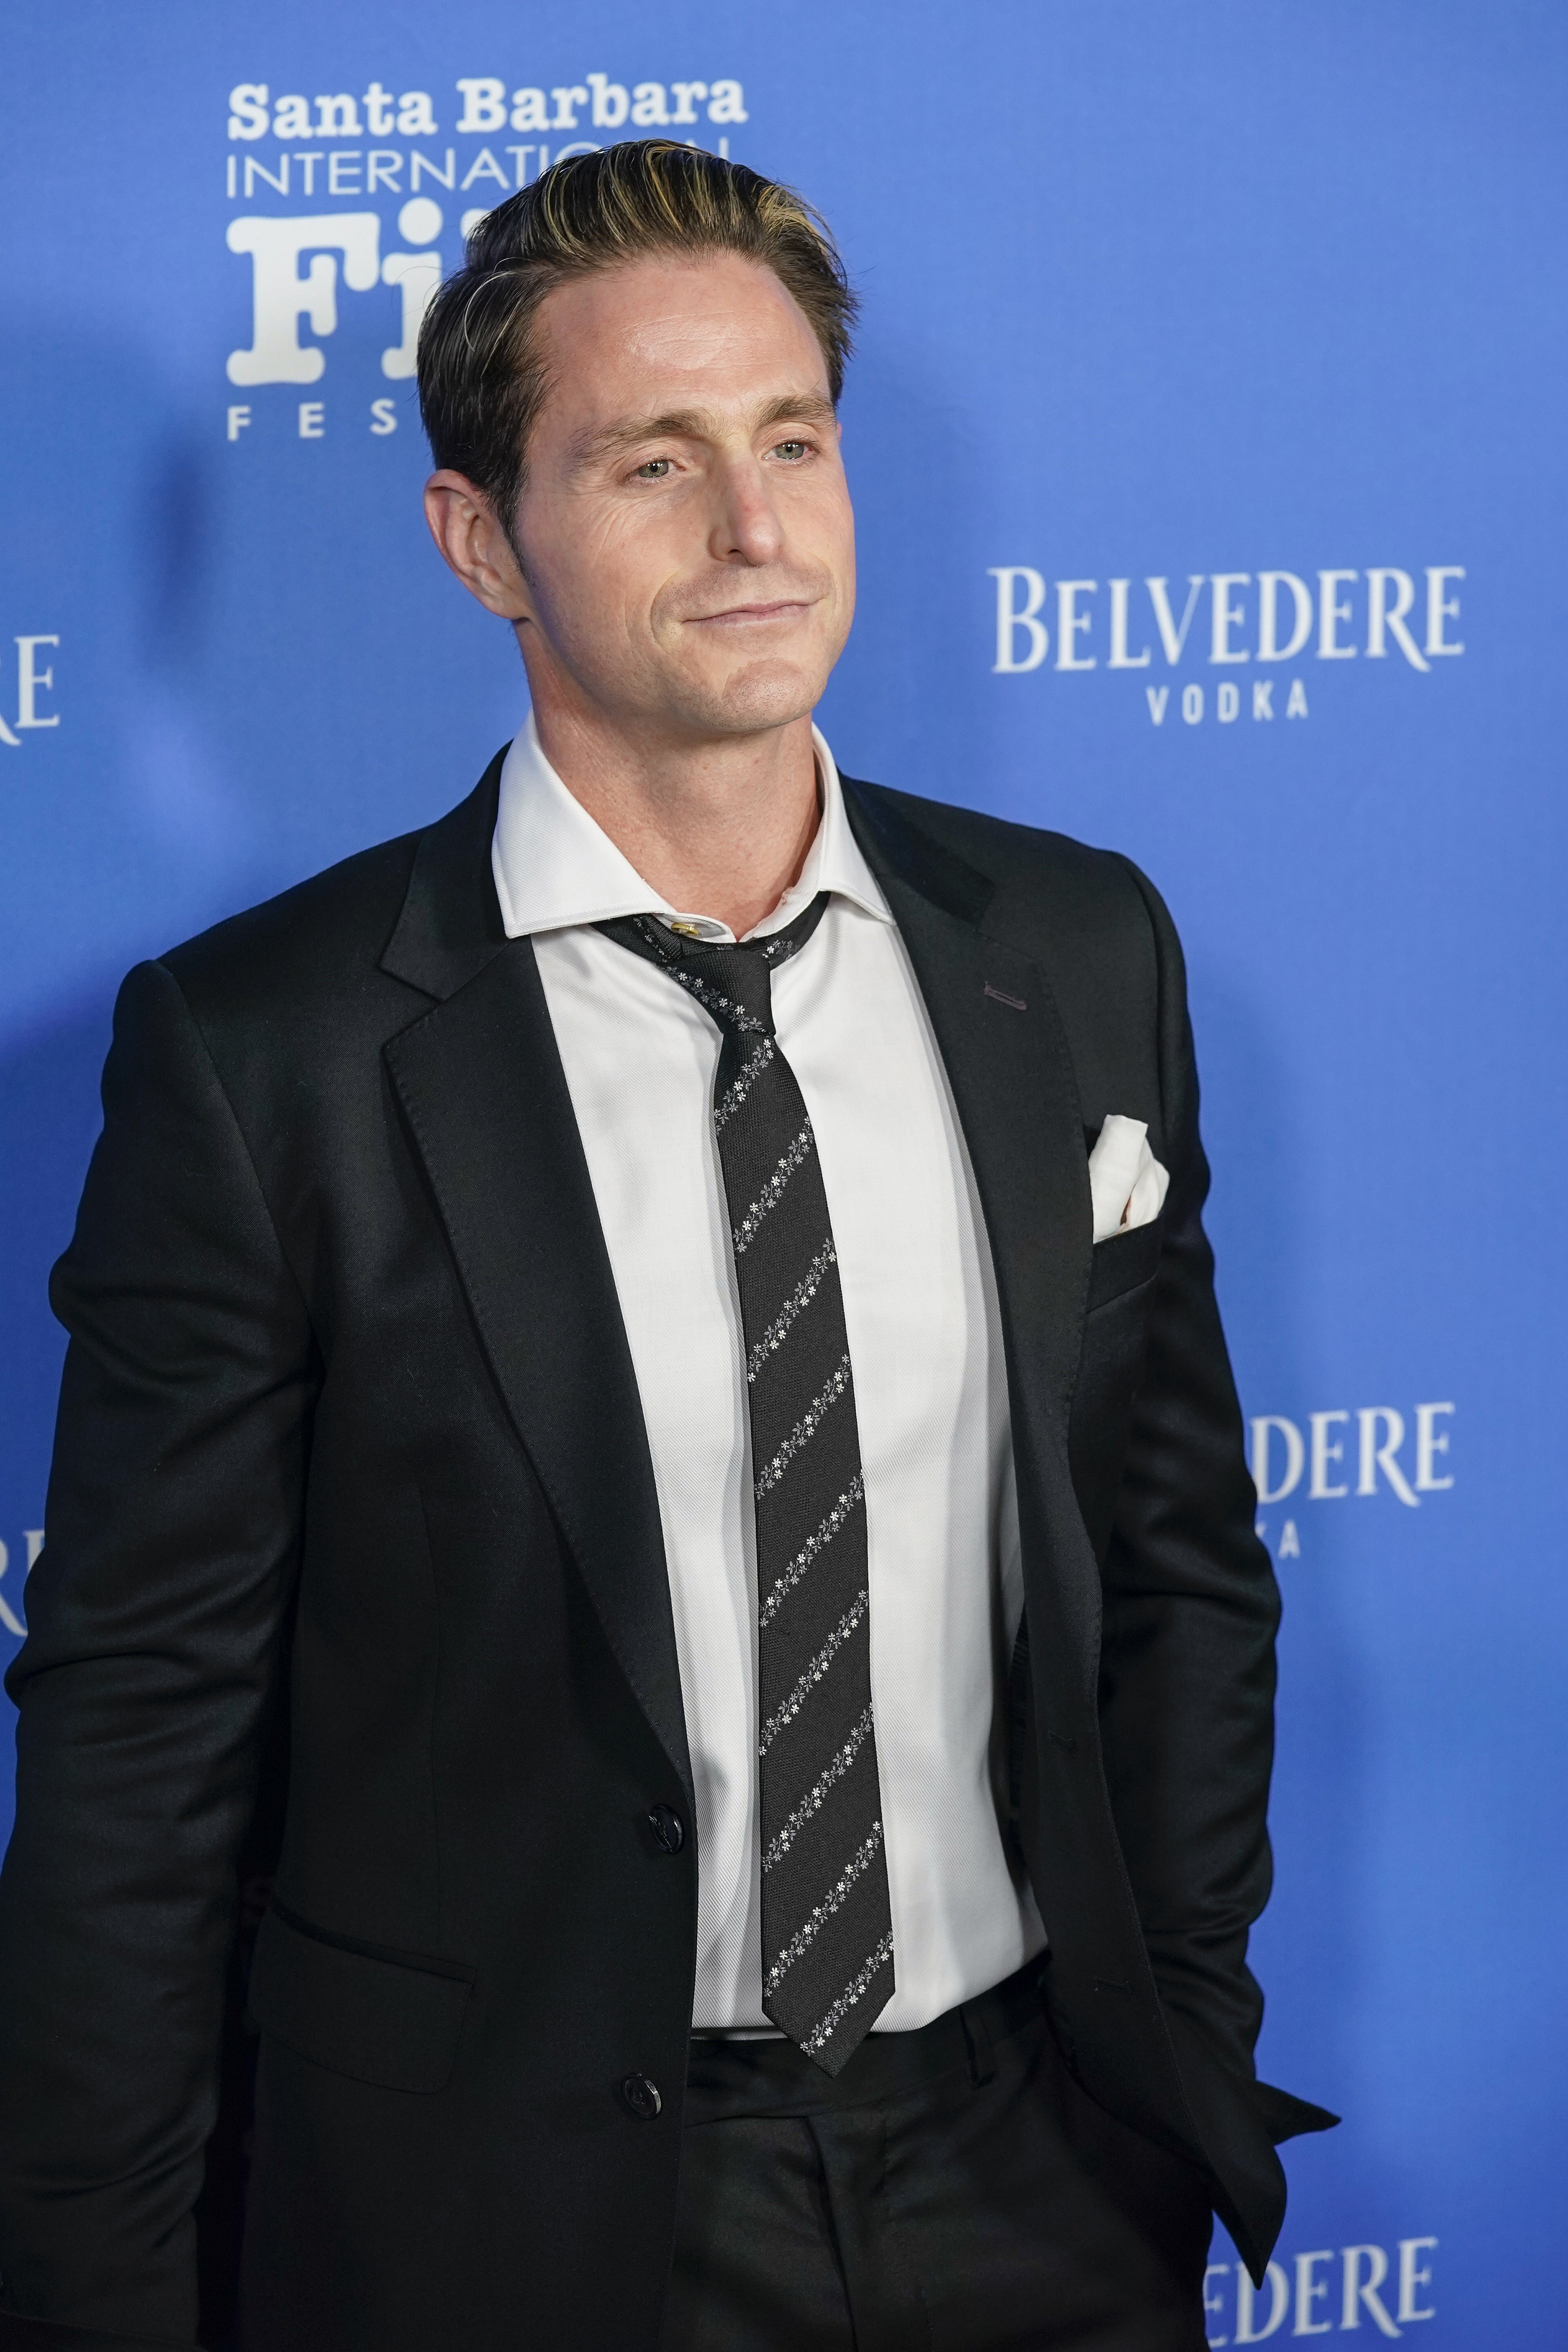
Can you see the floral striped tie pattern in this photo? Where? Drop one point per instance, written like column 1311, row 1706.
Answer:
column 828, row 1936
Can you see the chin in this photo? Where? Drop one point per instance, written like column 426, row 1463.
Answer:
column 761, row 695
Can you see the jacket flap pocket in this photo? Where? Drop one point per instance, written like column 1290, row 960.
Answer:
column 379, row 2020
column 1123, row 1262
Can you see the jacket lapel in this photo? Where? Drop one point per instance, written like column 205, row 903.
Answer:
column 1007, row 1057
column 484, row 1093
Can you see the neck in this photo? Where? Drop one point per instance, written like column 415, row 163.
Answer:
column 719, row 827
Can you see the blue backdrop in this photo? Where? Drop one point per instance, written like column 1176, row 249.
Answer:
column 1206, row 439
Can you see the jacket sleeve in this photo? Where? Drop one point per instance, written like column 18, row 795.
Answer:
column 1191, row 1614
column 156, row 1612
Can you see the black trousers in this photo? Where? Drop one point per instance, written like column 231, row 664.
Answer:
column 953, row 2190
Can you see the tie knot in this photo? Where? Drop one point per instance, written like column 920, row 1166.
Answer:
column 733, row 984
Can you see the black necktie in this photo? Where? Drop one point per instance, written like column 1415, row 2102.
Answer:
column 827, row 1934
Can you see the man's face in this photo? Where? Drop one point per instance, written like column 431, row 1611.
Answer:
column 685, row 528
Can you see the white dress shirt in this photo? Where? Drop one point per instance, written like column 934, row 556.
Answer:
column 931, row 1393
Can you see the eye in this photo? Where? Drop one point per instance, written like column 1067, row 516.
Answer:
column 793, row 451
column 655, row 470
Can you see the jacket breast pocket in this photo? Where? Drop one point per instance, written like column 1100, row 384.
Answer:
column 374, row 2016
column 1110, row 1370
column 1123, row 1262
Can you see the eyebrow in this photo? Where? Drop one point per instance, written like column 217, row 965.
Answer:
column 697, row 424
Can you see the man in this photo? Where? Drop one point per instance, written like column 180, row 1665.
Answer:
column 662, row 1325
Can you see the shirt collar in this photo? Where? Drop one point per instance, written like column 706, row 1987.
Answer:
column 554, row 868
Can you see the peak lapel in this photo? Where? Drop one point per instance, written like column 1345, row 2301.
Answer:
column 1006, row 1058
column 481, row 1086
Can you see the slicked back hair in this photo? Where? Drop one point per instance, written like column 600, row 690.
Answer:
column 482, row 378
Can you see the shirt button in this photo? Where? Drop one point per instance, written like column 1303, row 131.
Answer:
column 642, row 2097
column 668, row 1828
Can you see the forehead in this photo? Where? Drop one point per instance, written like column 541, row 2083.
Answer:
column 713, row 328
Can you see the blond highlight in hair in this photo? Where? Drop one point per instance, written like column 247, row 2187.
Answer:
column 482, row 378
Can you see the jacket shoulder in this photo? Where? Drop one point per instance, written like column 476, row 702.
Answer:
column 1044, row 889
column 315, row 937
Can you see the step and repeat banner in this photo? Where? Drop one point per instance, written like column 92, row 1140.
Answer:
column 1207, row 435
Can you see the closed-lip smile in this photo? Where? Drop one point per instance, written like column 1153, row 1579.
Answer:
column 743, row 613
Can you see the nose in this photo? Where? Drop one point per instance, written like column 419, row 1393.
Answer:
column 746, row 527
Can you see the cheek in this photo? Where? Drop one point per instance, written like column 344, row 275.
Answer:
column 845, row 542
column 625, row 556
column 588, row 572
column 825, row 525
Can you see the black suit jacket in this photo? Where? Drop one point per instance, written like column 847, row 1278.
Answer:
column 350, row 1437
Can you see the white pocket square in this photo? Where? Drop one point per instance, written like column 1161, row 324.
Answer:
column 1126, row 1182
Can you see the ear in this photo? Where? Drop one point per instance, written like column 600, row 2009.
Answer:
column 466, row 528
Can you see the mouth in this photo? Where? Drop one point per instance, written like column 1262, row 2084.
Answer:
column 741, row 617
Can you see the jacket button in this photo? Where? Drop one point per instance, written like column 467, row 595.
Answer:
column 642, row 2097
column 668, row 1828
